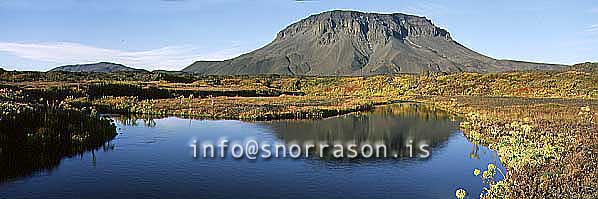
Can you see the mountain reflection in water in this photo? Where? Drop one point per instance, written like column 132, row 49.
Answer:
column 393, row 125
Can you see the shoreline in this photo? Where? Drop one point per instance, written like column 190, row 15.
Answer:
column 546, row 104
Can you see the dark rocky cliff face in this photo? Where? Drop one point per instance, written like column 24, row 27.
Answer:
column 356, row 43
column 363, row 27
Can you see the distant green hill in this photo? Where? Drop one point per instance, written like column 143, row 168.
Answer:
column 102, row 67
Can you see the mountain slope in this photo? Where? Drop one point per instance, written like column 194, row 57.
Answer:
column 356, row 43
column 103, row 67
column 585, row 67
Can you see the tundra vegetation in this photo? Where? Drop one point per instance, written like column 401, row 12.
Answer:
column 543, row 124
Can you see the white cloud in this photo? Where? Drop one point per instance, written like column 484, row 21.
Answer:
column 167, row 58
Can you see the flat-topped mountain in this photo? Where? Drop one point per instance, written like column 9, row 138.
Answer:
column 357, row 43
column 103, row 67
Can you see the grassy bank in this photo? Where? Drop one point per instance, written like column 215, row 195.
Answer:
column 548, row 146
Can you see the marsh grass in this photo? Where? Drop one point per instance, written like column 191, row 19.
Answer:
column 547, row 145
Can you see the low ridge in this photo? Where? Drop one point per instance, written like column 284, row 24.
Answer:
column 103, row 67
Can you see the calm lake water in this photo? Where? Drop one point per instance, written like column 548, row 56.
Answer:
column 151, row 158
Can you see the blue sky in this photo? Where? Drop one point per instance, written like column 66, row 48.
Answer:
column 171, row 34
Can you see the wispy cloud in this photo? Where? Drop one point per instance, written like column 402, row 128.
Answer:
column 424, row 8
column 168, row 58
column 592, row 28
